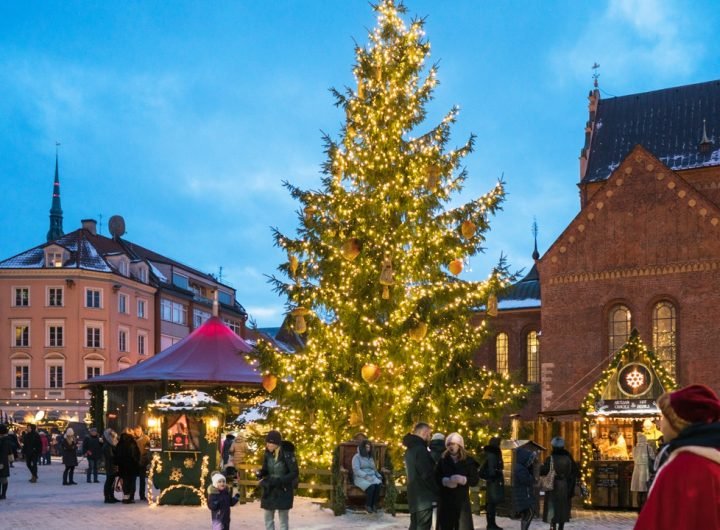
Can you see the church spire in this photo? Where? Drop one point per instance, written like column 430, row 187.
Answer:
column 535, row 254
column 56, row 213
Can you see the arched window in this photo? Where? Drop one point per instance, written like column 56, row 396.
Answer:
column 665, row 335
column 533, row 357
column 501, row 352
column 619, row 328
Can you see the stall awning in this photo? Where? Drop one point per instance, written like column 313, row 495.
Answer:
column 213, row 353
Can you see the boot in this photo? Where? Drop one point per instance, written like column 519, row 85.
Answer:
column 3, row 490
column 72, row 481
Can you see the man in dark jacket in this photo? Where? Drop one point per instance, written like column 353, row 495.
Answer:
column 92, row 449
column 494, row 481
column 5, row 452
column 278, row 479
column 422, row 489
column 32, row 447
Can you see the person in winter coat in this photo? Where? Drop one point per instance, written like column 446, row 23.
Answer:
column 643, row 457
column 238, row 455
column 6, row 450
column 143, row 442
column 684, row 494
column 523, row 487
column 437, row 446
column 31, row 449
column 366, row 476
column 278, row 479
column 69, row 457
column 44, row 447
column 220, row 501
column 92, row 449
column 494, row 481
column 228, row 463
column 456, row 472
column 110, row 441
column 128, row 461
column 422, row 488
column 556, row 509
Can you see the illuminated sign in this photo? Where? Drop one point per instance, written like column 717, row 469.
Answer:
column 634, row 379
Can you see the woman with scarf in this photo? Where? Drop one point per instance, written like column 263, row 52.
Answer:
column 69, row 456
column 366, row 476
column 556, row 510
column 456, row 472
column 684, row 494
column 110, row 441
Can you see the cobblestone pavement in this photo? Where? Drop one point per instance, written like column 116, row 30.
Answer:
column 48, row 504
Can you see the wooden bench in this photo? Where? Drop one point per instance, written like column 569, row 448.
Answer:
column 354, row 496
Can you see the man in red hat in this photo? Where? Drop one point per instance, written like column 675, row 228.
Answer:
column 686, row 492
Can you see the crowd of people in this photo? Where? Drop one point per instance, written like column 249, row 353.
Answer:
column 683, row 477
column 125, row 458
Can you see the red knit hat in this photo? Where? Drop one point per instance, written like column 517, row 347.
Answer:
column 692, row 404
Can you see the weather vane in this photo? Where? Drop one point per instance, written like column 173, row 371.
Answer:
column 595, row 75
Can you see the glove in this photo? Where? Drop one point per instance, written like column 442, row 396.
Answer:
column 448, row 482
column 236, row 496
column 459, row 479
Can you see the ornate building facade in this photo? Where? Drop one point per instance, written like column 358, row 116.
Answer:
column 643, row 252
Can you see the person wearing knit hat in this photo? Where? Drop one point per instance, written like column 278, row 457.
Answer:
column 220, row 501
column 556, row 508
column 457, row 472
column 278, row 480
column 683, row 494
column 437, row 446
column 492, row 473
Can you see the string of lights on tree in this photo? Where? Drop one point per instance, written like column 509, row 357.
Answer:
column 633, row 350
column 373, row 276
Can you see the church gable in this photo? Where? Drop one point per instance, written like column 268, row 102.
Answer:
column 661, row 223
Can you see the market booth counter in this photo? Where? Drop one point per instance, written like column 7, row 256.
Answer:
column 183, row 429
column 621, row 406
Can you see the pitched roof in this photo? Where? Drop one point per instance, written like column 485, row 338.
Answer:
column 668, row 123
column 213, row 353
column 524, row 294
column 83, row 254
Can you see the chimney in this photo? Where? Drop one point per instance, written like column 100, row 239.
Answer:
column 90, row 225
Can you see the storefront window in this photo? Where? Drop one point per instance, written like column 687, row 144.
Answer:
column 619, row 324
column 665, row 335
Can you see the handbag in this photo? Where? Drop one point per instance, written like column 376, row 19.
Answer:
column 118, row 486
column 547, row 482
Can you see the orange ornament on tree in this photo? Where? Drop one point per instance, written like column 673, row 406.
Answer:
column 468, row 228
column 351, row 248
column 456, row 266
column 370, row 372
column 269, row 382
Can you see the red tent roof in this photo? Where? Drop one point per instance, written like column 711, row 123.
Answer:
column 213, row 353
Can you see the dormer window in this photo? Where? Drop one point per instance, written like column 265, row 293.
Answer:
column 123, row 267
column 54, row 259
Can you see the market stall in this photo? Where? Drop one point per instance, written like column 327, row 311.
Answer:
column 184, row 430
column 621, row 406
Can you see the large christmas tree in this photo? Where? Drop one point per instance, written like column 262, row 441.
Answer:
column 374, row 271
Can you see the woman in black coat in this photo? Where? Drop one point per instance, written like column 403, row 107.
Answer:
column 69, row 456
column 456, row 472
column 494, row 481
column 278, row 479
column 111, row 470
column 556, row 509
column 127, row 457
column 523, row 486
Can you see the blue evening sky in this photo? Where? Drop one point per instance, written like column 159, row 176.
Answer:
column 185, row 116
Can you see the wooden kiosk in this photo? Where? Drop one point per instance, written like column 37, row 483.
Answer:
column 621, row 405
column 184, row 430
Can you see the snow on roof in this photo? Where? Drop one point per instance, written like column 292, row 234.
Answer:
column 185, row 400
column 258, row 412
column 519, row 304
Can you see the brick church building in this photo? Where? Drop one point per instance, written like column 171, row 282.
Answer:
column 643, row 252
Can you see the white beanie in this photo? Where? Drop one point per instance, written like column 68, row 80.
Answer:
column 455, row 438
column 217, row 478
